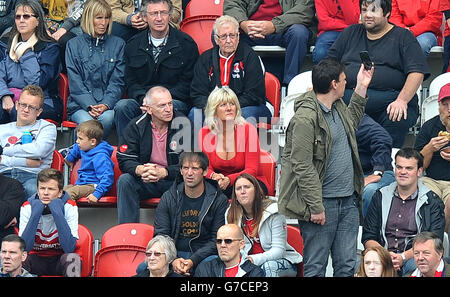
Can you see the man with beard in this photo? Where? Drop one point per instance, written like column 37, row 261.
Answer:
column 436, row 151
column 399, row 62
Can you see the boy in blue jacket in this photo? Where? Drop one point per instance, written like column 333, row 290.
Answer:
column 96, row 173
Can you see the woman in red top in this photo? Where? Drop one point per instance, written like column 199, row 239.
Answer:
column 229, row 141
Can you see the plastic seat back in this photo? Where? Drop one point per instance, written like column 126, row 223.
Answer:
column 294, row 238
column 200, row 29
column 203, row 7
column 267, row 168
column 136, row 234
column 118, row 261
column 85, row 249
column 57, row 161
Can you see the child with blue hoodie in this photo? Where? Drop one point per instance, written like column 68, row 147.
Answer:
column 96, row 173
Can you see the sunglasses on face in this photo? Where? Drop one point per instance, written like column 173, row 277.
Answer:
column 226, row 240
column 24, row 16
column 156, row 254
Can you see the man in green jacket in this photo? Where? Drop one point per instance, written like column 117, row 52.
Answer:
column 287, row 23
column 322, row 178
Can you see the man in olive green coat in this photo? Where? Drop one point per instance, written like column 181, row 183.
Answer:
column 322, row 178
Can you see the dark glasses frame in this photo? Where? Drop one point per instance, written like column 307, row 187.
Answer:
column 156, row 254
column 26, row 16
column 226, row 240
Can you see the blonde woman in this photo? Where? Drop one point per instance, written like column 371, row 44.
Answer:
column 95, row 67
column 229, row 141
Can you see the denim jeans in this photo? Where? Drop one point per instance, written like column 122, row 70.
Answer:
column 295, row 40
column 426, row 41
column 376, row 108
column 130, row 191
column 370, row 189
column 106, row 118
column 323, row 43
column 27, row 179
column 338, row 235
column 279, row 268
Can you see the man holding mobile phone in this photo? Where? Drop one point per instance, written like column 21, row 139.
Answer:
column 400, row 67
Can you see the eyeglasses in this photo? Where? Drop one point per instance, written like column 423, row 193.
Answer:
column 225, row 36
column 227, row 240
column 30, row 107
column 154, row 14
column 26, row 17
column 156, row 254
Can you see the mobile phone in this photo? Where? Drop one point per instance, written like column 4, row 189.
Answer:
column 365, row 59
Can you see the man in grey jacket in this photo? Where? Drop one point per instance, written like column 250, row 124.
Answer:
column 322, row 178
column 400, row 211
column 287, row 24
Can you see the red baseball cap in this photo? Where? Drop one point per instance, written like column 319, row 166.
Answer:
column 444, row 92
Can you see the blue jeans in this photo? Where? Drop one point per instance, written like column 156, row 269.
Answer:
column 295, row 40
column 106, row 118
column 338, row 235
column 323, row 43
column 370, row 189
column 426, row 41
column 27, row 179
column 376, row 108
column 130, row 191
column 127, row 109
column 279, row 268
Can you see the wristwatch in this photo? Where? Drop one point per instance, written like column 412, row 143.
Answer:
column 378, row 172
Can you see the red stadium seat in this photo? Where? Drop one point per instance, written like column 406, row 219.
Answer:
column 64, row 93
column 85, row 249
column 200, row 29
column 57, row 161
column 267, row 168
column 273, row 94
column 123, row 249
column 203, row 7
column 136, row 234
column 294, row 238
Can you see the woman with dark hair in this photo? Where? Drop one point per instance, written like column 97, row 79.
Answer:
column 95, row 67
column 32, row 59
column 264, row 228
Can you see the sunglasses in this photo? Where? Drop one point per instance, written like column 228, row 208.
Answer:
column 24, row 16
column 227, row 240
column 156, row 254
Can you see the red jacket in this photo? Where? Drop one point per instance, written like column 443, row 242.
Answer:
column 336, row 15
column 419, row 16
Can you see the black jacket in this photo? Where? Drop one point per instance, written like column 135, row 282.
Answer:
column 12, row 197
column 429, row 216
column 212, row 217
column 137, row 143
column 216, row 268
column 246, row 77
column 174, row 69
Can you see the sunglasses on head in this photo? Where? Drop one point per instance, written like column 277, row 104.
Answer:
column 226, row 240
column 24, row 16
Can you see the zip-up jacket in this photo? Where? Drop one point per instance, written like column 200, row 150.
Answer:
column 211, row 217
column 216, row 268
column 137, row 144
column 174, row 69
column 429, row 215
column 246, row 77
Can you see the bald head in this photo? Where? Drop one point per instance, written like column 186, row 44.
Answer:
column 230, row 241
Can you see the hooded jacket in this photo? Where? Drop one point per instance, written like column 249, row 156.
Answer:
column 211, row 217
column 305, row 155
column 272, row 234
column 96, row 71
column 429, row 215
column 96, row 167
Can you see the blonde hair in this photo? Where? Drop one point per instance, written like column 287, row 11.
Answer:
column 218, row 96
column 93, row 8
